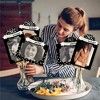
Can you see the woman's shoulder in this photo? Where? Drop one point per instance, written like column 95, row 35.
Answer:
column 51, row 26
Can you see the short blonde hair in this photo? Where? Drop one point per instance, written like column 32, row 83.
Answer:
column 76, row 17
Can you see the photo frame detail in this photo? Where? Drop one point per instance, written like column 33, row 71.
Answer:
column 32, row 51
column 84, row 53
column 29, row 29
column 11, row 42
column 65, row 51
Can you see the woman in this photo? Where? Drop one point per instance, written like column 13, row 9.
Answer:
column 69, row 21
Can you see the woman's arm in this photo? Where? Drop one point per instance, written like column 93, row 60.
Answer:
column 52, row 70
column 59, row 70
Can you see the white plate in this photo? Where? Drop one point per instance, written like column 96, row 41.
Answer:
column 60, row 97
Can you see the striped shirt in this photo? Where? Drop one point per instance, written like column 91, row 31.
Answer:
column 51, row 67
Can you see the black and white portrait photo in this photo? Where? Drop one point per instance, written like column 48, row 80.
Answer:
column 12, row 43
column 32, row 52
column 65, row 51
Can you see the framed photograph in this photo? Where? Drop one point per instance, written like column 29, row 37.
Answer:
column 65, row 52
column 11, row 42
column 32, row 51
column 84, row 53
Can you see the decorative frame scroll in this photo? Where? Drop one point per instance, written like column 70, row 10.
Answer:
column 29, row 28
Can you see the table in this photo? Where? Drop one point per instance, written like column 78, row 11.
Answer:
column 9, row 91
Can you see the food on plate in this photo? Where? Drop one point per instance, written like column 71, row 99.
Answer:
column 55, row 88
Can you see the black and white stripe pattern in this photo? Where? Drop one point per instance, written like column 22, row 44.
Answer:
column 52, row 68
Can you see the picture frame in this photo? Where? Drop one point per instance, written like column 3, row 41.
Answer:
column 32, row 51
column 65, row 51
column 84, row 53
column 11, row 42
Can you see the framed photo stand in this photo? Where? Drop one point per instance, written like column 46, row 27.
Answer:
column 84, row 53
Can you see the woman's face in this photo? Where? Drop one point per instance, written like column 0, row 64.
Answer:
column 30, row 51
column 63, row 29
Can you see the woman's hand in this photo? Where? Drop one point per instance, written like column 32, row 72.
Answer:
column 33, row 69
